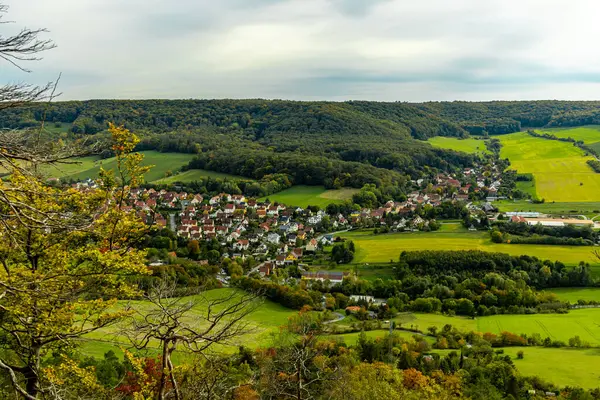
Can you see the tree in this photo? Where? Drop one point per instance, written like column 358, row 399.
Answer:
column 296, row 367
column 15, row 49
column 175, row 321
column 65, row 257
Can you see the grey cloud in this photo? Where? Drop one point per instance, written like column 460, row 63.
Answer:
column 327, row 49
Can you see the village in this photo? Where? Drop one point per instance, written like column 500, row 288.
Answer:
column 278, row 235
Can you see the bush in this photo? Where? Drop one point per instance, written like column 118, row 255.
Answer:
column 520, row 354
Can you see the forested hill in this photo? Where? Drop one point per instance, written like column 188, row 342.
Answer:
column 315, row 143
column 260, row 118
column 498, row 117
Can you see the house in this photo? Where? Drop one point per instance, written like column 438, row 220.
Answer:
column 197, row 199
column 273, row 238
column 280, row 260
column 266, row 269
column 241, row 244
column 297, row 252
column 290, row 259
column 312, row 245
column 229, row 208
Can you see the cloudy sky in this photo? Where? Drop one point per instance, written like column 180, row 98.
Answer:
column 389, row 50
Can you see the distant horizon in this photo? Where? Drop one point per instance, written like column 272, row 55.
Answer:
column 59, row 100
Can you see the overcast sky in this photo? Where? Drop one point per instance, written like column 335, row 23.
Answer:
column 389, row 50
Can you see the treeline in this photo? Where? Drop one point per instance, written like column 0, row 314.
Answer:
column 594, row 164
column 301, row 168
column 268, row 185
column 539, row 274
column 514, row 232
column 500, row 117
column 576, row 143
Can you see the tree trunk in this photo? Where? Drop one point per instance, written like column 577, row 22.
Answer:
column 31, row 382
column 172, row 376
column 163, row 374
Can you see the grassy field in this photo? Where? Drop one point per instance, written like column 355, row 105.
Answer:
column 563, row 367
column 574, row 294
column 303, row 196
column 583, row 323
column 559, row 208
column 588, row 134
column 471, row 146
column 372, row 248
column 560, row 169
column 162, row 163
column 196, row 174
column 264, row 321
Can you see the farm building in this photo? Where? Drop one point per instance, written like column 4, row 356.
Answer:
column 333, row 277
column 528, row 214
column 559, row 222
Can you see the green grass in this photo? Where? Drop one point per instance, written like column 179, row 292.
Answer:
column 563, row 367
column 558, row 208
column 372, row 248
column 162, row 162
column 303, row 196
column 574, row 294
column 583, row 322
column 588, row 134
column 75, row 166
column 197, row 174
column 560, row 169
column 471, row 146
column 423, row 321
column 527, row 187
column 264, row 321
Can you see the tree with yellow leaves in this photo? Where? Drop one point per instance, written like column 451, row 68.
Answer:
column 65, row 255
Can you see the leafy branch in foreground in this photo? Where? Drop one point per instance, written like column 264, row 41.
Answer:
column 65, row 257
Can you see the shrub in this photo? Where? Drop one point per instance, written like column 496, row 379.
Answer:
column 520, row 354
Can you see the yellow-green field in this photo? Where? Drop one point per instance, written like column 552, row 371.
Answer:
column 560, row 169
column 470, row 145
column 588, row 134
column 382, row 248
column 304, row 196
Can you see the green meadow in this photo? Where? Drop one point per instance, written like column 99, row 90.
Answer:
column 162, row 164
column 264, row 321
column 560, row 208
column 582, row 322
column 560, row 169
column 371, row 248
column 197, row 174
column 303, row 196
column 588, row 134
column 563, row 367
column 470, row 145
column 573, row 294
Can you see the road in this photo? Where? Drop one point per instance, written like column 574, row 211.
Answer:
column 339, row 318
column 172, row 225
